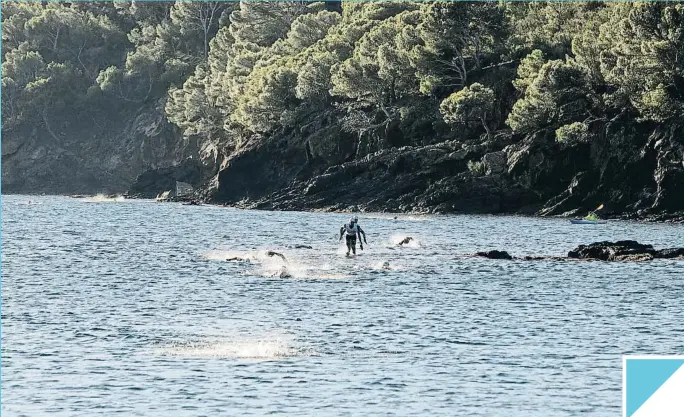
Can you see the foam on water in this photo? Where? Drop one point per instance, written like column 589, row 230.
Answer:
column 249, row 349
column 274, row 266
column 387, row 265
column 224, row 255
column 395, row 239
column 101, row 198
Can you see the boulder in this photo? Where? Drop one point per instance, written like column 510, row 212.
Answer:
column 623, row 250
column 495, row 254
column 670, row 253
column 495, row 162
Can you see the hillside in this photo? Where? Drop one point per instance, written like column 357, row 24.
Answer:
column 540, row 107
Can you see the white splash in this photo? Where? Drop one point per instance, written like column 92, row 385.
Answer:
column 395, row 239
column 101, row 198
column 388, row 266
column 276, row 267
column 250, row 349
column 231, row 256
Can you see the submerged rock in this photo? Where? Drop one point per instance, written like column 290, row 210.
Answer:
column 495, row 254
column 623, row 250
column 670, row 253
column 151, row 183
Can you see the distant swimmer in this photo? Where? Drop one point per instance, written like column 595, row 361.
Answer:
column 271, row 253
column 386, row 265
column 352, row 229
column 405, row 241
column 238, row 258
column 284, row 272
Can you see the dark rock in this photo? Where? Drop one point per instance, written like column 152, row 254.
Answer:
column 534, row 258
column 670, row 253
column 624, row 250
column 495, row 254
column 420, row 179
column 151, row 183
column 495, row 162
column 104, row 153
column 636, row 257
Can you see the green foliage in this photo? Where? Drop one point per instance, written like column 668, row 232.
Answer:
column 528, row 69
column 471, row 104
column 190, row 109
column 308, row 29
column 455, row 39
column 268, row 100
column 263, row 23
column 558, row 95
column 653, row 82
column 573, row 133
column 477, row 168
column 229, row 70
column 549, row 25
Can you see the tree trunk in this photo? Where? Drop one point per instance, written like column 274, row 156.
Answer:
column 484, row 123
column 309, row 154
column 47, row 125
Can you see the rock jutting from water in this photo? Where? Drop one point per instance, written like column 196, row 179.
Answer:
column 495, row 254
column 622, row 250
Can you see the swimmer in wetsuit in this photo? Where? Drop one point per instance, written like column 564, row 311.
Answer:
column 352, row 229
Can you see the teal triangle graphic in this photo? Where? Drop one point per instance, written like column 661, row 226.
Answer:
column 644, row 377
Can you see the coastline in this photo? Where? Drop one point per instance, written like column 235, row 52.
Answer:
column 262, row 205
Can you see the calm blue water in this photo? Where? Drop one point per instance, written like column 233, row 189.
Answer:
column 129, row 308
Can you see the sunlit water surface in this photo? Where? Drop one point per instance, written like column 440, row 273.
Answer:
column 117, row 307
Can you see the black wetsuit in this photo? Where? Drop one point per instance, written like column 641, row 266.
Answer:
column 351, row 243
column 351, row 236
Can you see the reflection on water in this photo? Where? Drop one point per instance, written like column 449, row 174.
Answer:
column 141, row 308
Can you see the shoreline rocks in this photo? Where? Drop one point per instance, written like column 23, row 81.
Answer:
column 495, row 254
column 619, row 251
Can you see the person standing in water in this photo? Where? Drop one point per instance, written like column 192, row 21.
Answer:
column 352, row 229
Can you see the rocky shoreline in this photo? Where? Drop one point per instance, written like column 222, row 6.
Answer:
column 503, row 174
column 432, row 179
column 266, row 205
column 620, row 251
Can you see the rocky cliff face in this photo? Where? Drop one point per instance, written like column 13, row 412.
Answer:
column 90, row 156
column 634, row 170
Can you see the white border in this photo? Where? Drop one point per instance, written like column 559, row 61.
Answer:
column 624, row 373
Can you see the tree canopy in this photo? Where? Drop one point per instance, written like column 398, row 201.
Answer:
column 230, row 70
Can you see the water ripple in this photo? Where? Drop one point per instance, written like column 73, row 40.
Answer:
column 130, row 307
